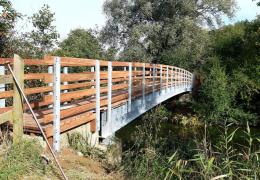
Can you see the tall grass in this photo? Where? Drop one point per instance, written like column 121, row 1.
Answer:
column 153, row 157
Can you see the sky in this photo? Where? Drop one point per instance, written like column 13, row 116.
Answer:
column 71, row 14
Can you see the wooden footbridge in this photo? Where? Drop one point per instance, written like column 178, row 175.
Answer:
column 68, row 92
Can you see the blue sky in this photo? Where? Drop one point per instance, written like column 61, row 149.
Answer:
column 71, row 14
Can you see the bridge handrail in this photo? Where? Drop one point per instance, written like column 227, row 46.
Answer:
column 118, row 82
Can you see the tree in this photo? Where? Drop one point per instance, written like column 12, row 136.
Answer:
column 235, row 79
column 41, row 40
column 167, row 31
column 80, row 43
column 44, row 36
column 8, row 17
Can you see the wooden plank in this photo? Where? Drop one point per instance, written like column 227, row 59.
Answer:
column 6, row 94
column 71, row 123
column 6, row 60
column 71, row 111
column 6, row 79
column 6, row 116
column 64, row 77
column 37, row 62
column 120, row 64
column 44, row 89
column 71, row 95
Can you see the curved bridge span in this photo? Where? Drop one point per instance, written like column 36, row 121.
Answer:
column 66, row 93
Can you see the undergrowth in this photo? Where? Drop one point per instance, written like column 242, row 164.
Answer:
column 153, row 156
column 80, row 143
column 21, row 159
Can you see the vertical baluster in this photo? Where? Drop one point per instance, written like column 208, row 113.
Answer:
column 143, row 84
column 161, row 79
column 65, row 71
column 167, row 78
column 109, row 96
column 56, row 105
column 97, row 74
column 130, row 87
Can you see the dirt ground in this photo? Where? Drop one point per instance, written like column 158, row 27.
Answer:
column 77, row 167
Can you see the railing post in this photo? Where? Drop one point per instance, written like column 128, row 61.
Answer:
column 143, row 84
column 171, row 77
column 178, row 77
column 161, row 79
column 56, row 104
column 167, row 78
column 2, row 87
column 109, row 96
column 65, row 71
column 97, row 73
column 18, row 100
column 92, row 69
column 129, row 87
column 50, row 71
column 153, row 78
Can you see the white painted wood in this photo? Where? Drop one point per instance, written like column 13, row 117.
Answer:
column 65, row 71
column 143, row 84
column 172, row 77
column 56, row 105
column 167, row 78
column 97, row 73
column 109, row 96
column 154, row 77
column 161, row 83
column 50, row 71
column 2, row 86
column 92, row 69
column 129, row 87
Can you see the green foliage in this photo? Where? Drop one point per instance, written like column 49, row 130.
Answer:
column 232, row 91
column 41, row 40
column 80, row 43
column 215, row 99
column 8, row 16
column 81, row 144
column 44, row 35
column 162, row 31
column 144, row 160
column 21, row 159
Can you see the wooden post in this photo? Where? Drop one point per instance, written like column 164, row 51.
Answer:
column 18, row 100
column 56, row 104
